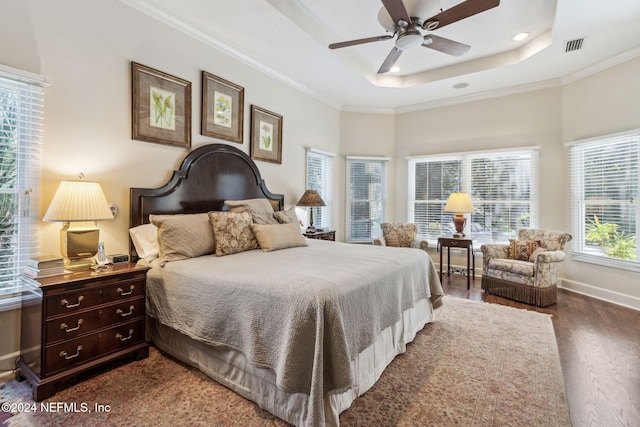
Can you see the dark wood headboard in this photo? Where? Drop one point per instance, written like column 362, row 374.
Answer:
column 207, row 177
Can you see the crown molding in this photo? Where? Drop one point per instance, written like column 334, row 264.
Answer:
column 166, row 18
column 602, row 66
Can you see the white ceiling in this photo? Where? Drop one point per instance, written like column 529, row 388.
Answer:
column 288, row 39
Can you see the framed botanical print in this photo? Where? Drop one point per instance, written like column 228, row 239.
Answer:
column 161, row 107
column 222, row 108
column 266, row 135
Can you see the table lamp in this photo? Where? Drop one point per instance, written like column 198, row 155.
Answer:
column 78, row 204
column 311, row 198
column 460, row 203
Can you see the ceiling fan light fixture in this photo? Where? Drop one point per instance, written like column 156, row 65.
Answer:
column 410, row 39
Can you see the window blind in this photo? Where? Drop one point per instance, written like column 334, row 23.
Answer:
column 502, row 185
column 366, row 197
column 431, row 180
column 21, row 119
column 604, row 180
column 320, row 178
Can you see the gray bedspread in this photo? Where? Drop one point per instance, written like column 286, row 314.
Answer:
column 304, row 312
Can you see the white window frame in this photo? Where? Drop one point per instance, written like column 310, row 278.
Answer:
column 23, row 92
column 322, row 182
column 376, row 195
column 603, row 156
column 464, row 183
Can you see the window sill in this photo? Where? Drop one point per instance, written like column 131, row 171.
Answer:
column 606, row 261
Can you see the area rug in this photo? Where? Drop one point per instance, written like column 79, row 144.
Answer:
column 478, row 364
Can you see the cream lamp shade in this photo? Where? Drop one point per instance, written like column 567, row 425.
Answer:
column 311, row 198
column 459, row 203
column 80, row 203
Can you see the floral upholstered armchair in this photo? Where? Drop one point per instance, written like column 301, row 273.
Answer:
column 400, row 235
column 526, row 269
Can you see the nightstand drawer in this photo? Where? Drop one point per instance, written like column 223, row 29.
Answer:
column 121, row 312
column 69, row 327
column 69, row 353
column 72, row 302
column 122, row 336
column 124, row 289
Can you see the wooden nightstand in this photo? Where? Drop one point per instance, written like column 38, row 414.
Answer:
column 75, row 322
column 322, row 235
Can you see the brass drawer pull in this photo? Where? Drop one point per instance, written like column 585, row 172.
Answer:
column 123, row 314
column 123, row 293
column 64, row 353
column 65, row 302
column 66, row 327
column 122, row 337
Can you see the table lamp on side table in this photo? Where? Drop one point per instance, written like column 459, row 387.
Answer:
column 79, row 204
column 312, row 199
column 460, row 203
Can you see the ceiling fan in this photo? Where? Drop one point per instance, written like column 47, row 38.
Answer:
column 409, row 29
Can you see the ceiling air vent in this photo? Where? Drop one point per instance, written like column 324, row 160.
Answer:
column 573, row 45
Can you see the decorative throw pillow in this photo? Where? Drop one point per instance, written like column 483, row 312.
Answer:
column 522, row 249
column 287, row 216
column 145, row 240
column 260, row 209
column 233, row 232
column 278, row 236
column 183, row 236
column 406, row 233
column 392, row 240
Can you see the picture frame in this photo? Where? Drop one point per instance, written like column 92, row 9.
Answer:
column 222, row 108
column 266, row 135
column 161, row 107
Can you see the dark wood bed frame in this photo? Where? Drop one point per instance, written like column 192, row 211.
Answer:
column 207, row 177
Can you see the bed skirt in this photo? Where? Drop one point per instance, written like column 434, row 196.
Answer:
column 538, row 296
column 231, row 368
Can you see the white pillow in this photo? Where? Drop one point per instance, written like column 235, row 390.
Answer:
column 145, row 240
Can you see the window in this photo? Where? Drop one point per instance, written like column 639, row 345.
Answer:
column 320, row 178
column 502, row 185
column 21, row 105
column 366, row 197
column 604, row 199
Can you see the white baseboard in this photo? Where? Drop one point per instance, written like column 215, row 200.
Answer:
column 8, row 364
column 601, row 294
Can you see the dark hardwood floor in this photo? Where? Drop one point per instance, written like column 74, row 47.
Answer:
column 599, row 346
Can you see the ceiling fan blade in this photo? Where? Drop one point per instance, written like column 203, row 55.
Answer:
column 397, row 11
column 460, row 11
column 390, row 61
column 445, row 45
column 359, row 41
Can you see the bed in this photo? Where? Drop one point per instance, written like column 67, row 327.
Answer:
column 302, row 327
